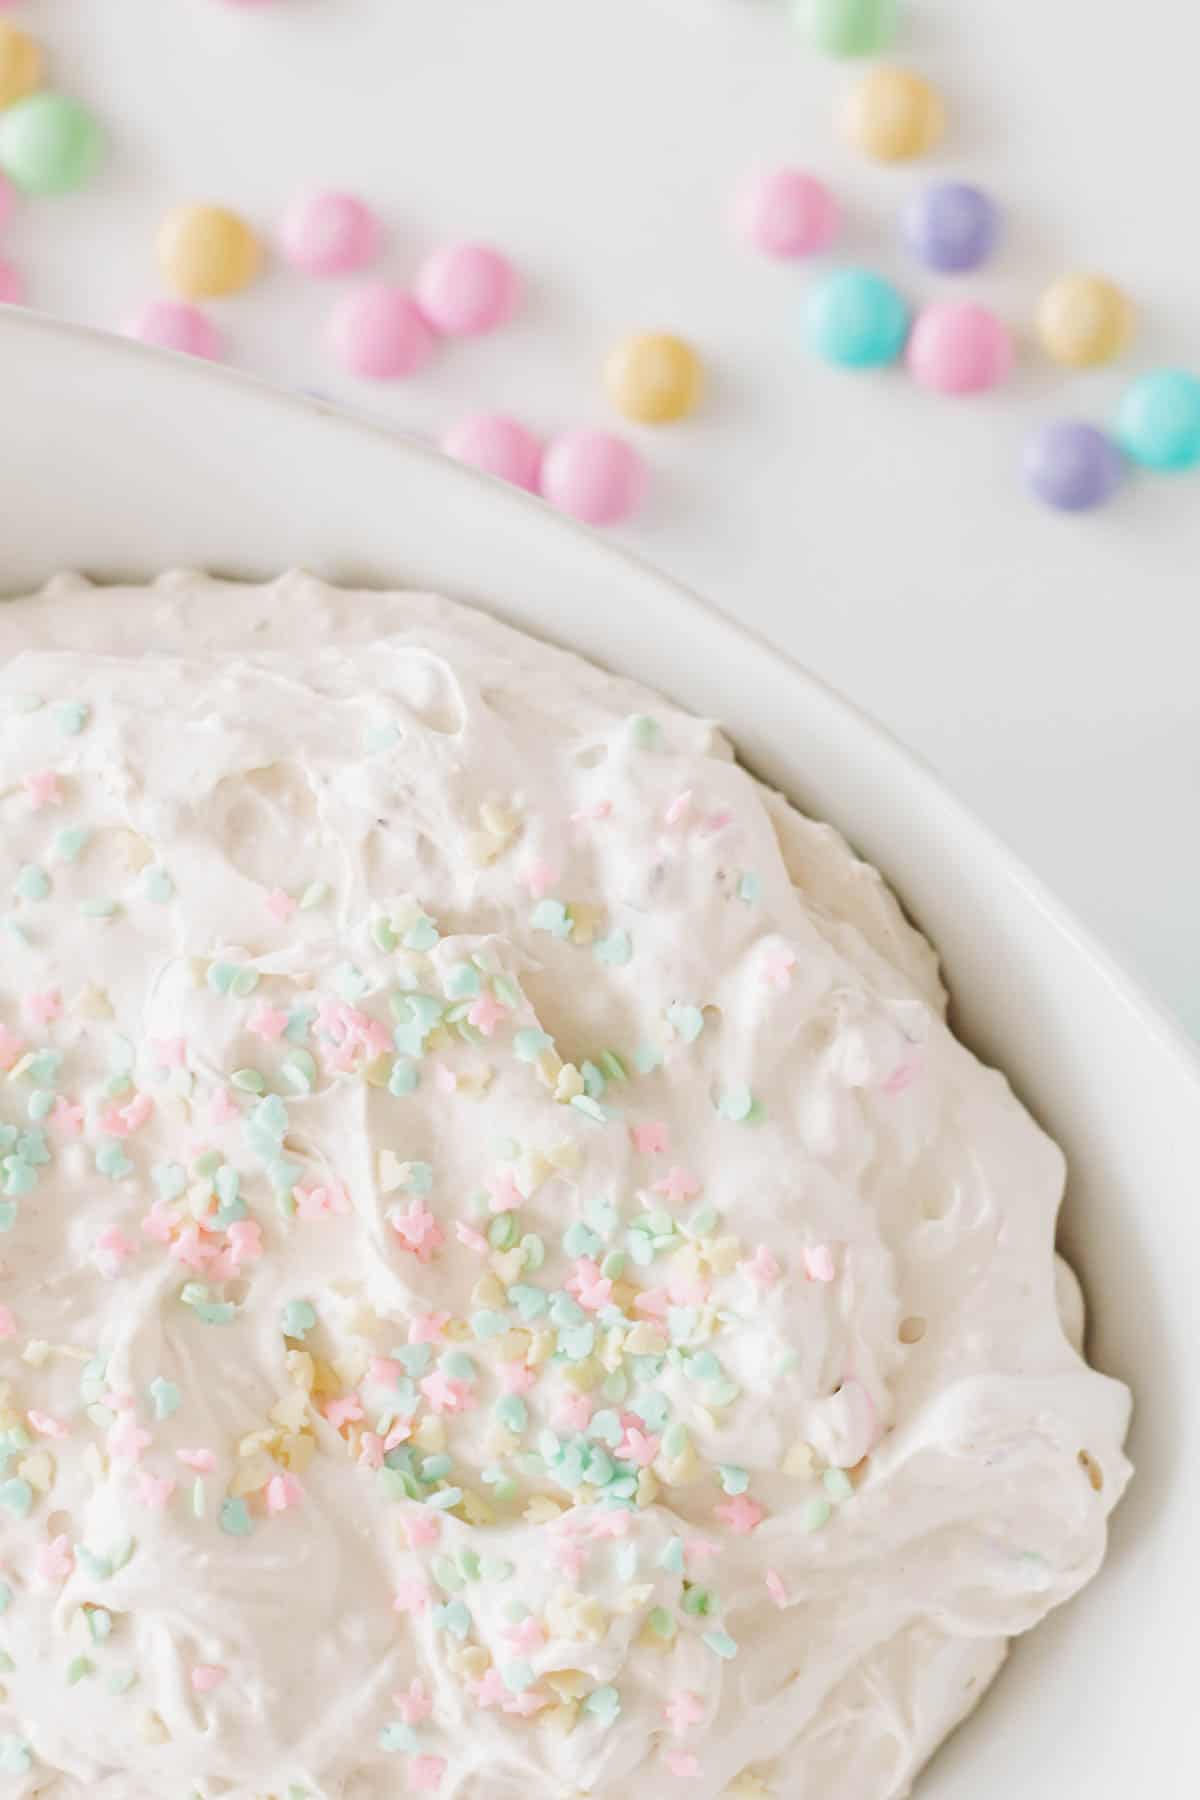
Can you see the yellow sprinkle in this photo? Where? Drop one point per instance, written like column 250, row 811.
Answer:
column 799, row 1460
column 633, row 1599
column 508, row 1265
column 549, row 1067
column 378, row 1072
column 513, row 1346
column 468, row 1661
column 300, row 1367
column 38, row 1471
column 541, row 1347
column 560, row 1720
column 292, row 1410
column 151, row 1729
column 297, row 1451
column 430, row 1434
column 541, row 1509
column 646, row 1340
column 585, row 922
column 584, row 1376
column 252, row 1475
column 36, row 1352
column 564, row 1156
column 569, row 1684
column 488, row 1292
column 647, row 1488
column 475, row 1509
column 457, row 1331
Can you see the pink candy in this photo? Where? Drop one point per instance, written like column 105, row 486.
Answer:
column 465, row 289
column 174, row 325
column 957, row 347
column 12, row 285
column 378, row 331
column 328, row 233
column 593, row 476
column 499, row 446
column 784, row 212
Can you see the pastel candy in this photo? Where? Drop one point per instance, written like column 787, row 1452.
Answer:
column 593, row 476
column 49, row 144
column 174, row 325
column 786, row 212
column 498, row 445
column 1083, row 320
column 654, row 378
column 325, row 232
column 856, row 319
column 1158, row 424
column 378, row 331
column 958, row 347
column 466, row 289
column 205, row 251
column 847, row 27
column 20, row 64
column 893, row 114
column 1072, row 466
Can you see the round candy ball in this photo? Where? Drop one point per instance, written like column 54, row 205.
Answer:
column 847, row 27
column 951, row 226
column 20, row 64
column 654, row 378
column 892, row 114
column 499, row 446
column 1072, row 466
column 784, row 212
column 1159, row 421
column 174, row 325
column 593, row 476
column 1084, row 319
column 49, row 144
column 204, row 251
column 857, row 319
column 12, row 285
column 328, row 233
column 465, row 289
column 378, row 331
column 959, row 348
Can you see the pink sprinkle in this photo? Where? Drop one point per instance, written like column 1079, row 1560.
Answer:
column 206, row 1677
column 474, row 1240
column 8, row 1324
column 818, row 1263
column 170, row 1053
column 159, row 1222
column 652, row 1303
column 46, row 1425
column 490, row 1690
column 716, row 822
column 425, row 1773
column 698, row 1552
column 283, row 1491
column 203, row 1462
column 527, row 1704
column 40, row 1009
column 574, row 1412
column 12, row 1048
column 112, row 1252
column 127, row 1439
column 742, row 1514
column 427, row 1328
column 267, row 1022
column 222, row 1107
column 344, row 1411
column 44, row 789
column 154, row 1490
column 763, row 1267
column 570, row 1558
column 370, row 1450
column 411, row 1596
column 677, row 1185
column 776, row 1588
column 683, row 1763
column 777, row 968
column 245, row 1240
column 612, row 1524
column 66, row 1116
column 902, row 1076
column 677, row 811
column 416, row 1704
column 516, row 1378
column 486, row 1013
column 506, row 1196
column 418, row 1230
column 193, row 1247
column 592, row 1289
column 444, row 1079
column 683, row 1710
column 640, row 1447
column 280, row 905
column 54, row 1561
column 314, row 1202
column 423, row 1527
column 446, row 1396
column 539, row 878
column 652, row 1139
column 384, row 1369
column 598, row 809
column 527, row 1636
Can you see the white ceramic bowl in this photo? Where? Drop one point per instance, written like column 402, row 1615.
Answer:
column 122, row 462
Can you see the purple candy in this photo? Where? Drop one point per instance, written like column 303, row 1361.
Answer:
column 951, row 226
column 1072, row 466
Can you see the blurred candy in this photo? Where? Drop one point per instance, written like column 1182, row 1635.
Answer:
column 380, row 332
column 892, row 114
column 499, row 446
column 951, row 226
column 1159, row 420
column 1084, row 319
column 174, row 325
column 464, row 289
column 857, row 319
column 847, row 27
column 1072, row 466
column 49, row 144
column 784, row 212
column 593, row 476
column 8, row 200
column 654, row 378
column 204, row 251
column 12, row 285
column 328, row 233
column 959, row 348
column 20, row 64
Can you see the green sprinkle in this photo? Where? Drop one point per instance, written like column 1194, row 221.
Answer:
column 591, row 1109
column 551, row 916
column 733, row 1480
column 96, row 1568
column 41, row 1102
column 403, row 1078
column 687, row 1021
column 454, row 1617
column 299, row 1070
column 297, row 1318
column 529, row 1044
column 488, row 1324
column 737, row 1103
column 613, row 1066
column 158, row 886
column 399, row 1736
column 697, row 1601
column 533, row 1250
column 661, row 1623
column 244, row 982
column 102, row 907
column 645, row 731
column 235, row 1518
column 71, row 717
column 671, row 1557
column 721, row 1644
column 462, row 982
column 32, row 883
column 16, row 1758
column 165, row 1396
column 99, row 1623
column 382, row 936
column 422, row 934
column 71, row 842
column 837, row 1484
column 249, row 1081
column 121, row 1680
column 445, row 1498
column 77, row 1668
column 446, row 1574
column 502, row 1232
column 313, row 895
column 616, row 949
column 605, row 1704
column 814, row 1514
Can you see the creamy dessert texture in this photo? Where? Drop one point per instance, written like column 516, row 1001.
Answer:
column 508, row 1285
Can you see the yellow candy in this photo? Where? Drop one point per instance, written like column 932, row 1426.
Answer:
column 20, row 64
column 205, row 250
column 1084, row 319
column 892, row 114
column 654, row 378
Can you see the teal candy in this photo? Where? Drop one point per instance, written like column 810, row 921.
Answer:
column 1159, row 421
column 49, row 144
column 847, row 27
column 857, row 320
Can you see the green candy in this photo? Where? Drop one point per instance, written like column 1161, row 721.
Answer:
column 847, row 27
column 49, row 144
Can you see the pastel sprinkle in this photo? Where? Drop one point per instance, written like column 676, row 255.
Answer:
column 721, row 1645
column 32, row 883
column 71, row 716
column 234, row 1518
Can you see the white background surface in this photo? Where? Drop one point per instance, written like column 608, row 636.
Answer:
column 1049, row 667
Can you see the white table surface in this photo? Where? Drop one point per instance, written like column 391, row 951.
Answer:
column 1050, row 667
